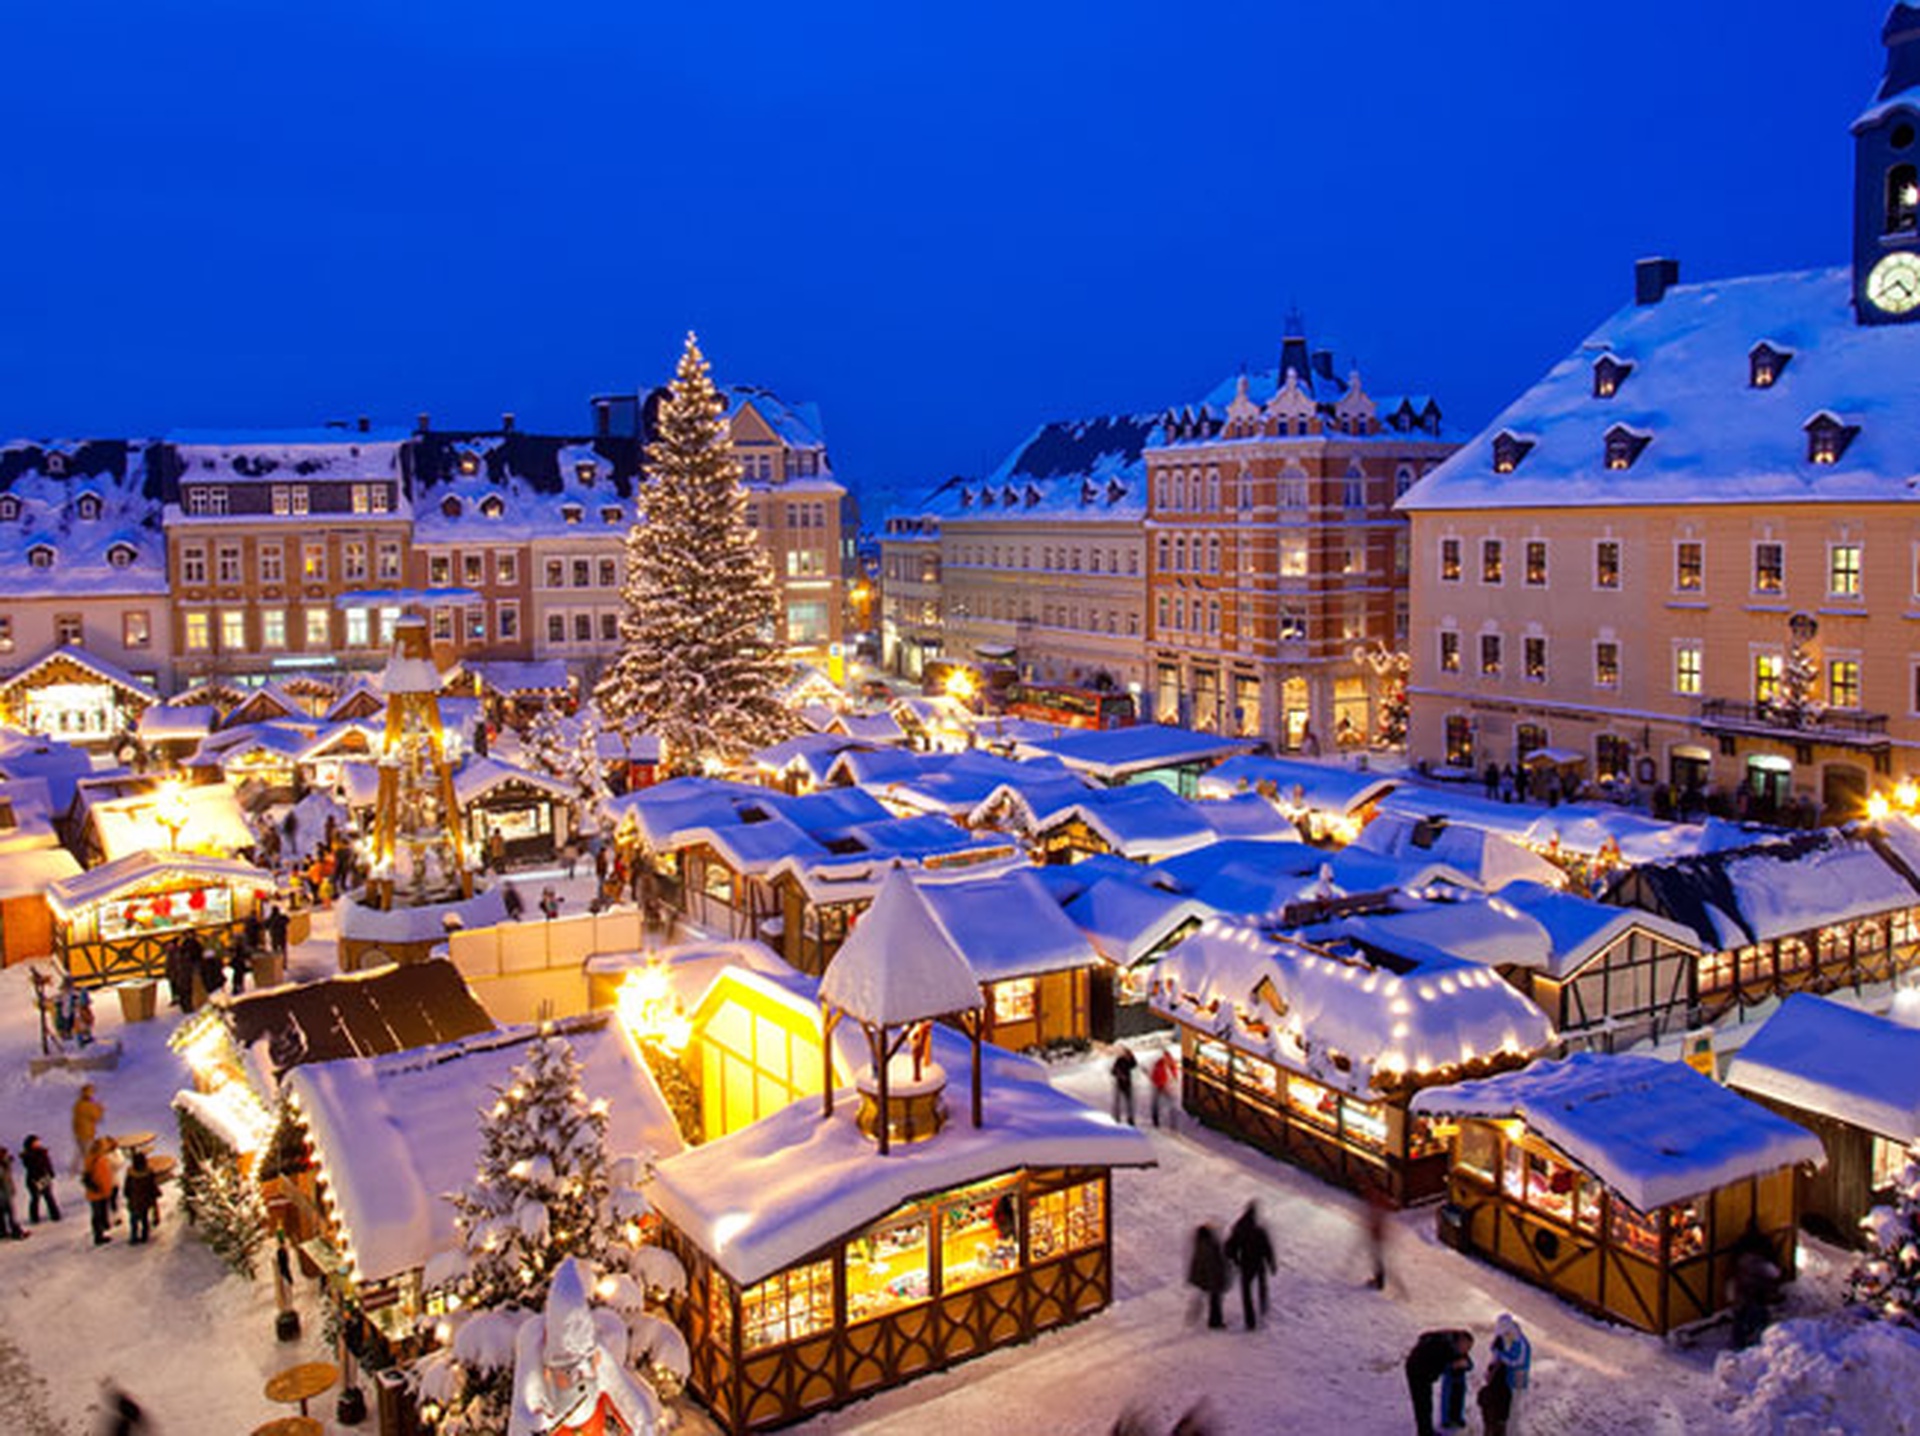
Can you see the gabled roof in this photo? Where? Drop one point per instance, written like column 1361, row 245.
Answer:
column 91, row 664
column 899, row 964
column 1580, row 929
column 136, row 871
column 1113, row 754
column 1297, row 785
column 1077, row 468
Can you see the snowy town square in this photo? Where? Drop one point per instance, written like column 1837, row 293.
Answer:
column 1308, row 820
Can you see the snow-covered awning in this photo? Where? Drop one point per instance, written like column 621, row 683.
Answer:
column 1835, row 1061
column 1655, row 1132
column 139, row 871
column 1297, row 785
column 1114, row 754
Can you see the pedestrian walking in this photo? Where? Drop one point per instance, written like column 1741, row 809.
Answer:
column 88, row 1112
column 102, row 1183
column 570, row 855
column 277, row 924
column 1435, row 1356
column 511, row 900
column 1512, row 1361
column 600, row 860
column 10, row 1228
column 1376, row 1231
column 549, row 904
column 1250, row 1249
column 1207, row 1272
column 179, row 976
column 239, row 963
column 143, row 1199
column 1164, row 1074
column 496, row 850
column 1124, row 1065
column 36, row 1162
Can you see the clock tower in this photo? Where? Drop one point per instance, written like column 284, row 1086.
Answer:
column 1886, row 183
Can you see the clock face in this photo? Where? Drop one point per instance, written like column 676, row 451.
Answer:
column 1894, row 285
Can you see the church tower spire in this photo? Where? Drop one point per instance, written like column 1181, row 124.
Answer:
column 1886, row 183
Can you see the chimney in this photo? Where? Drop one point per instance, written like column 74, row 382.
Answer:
column 363, row 424
column 1323, row 363
column 506, row 422
column 423, row 422
column 1652, row 278
column 602, row 418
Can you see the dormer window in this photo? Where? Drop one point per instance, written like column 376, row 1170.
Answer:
column 1765, row 365
column 469, row 462
column 572, row 513
column 87, row 506
column 9, row 508
column 966, row 498
column 584, row 471
column 1624, row 446
column 1508, row 450
column 493, row 506
column 1032, row 496
column 611, row 514
column 1609, row 374
column 56, row 465
column 451, row 507
column 40, row 555
column 1827, row 438
column 1903, row 200
column 121, row 555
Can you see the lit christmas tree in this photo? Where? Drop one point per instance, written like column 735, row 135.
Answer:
column 582, row 765
column 545, row 1191
column 1887, row 1282
column 546, row 741
column 698, row 667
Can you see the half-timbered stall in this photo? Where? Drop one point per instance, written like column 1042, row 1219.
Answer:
column 113, row 923
column 1143, row 822
column 1852, row 1079
column 1624, row 1184
column 954, row 784
column 259, row 759
column 1328, row 802
column 379, row 1142
column 31, row 861
column 933, row 722
column 831, row 1257
column 1313, row 1052
column 76, row 696
column 1132, row 923
column 269, row 703
column 1810, row 912
column 351, row 741
column 532, row 812
column 514, row 690
column 359, row 702
column 1146, row 753
column 1613, row 977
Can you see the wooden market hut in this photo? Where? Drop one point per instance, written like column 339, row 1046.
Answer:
column 1328, row 802
column 77, row 696
column 1145, row 822
column 1312, row 1052
column 834, row 1256
column 1146, row 753
column 113, row 923
column 1132, row 923
column 1624, row 1184
column 1852, row 1079
column 31, row 861
column 532, row 812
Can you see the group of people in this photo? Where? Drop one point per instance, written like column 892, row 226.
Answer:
column 196, row 971
column 97, row 1162
column 1247, row 1250
column 1164, row 1077
column 1443, row 1360
column 36, row 1174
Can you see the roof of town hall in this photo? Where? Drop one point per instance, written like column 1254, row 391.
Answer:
column 1068, row 468
column 1710, row 435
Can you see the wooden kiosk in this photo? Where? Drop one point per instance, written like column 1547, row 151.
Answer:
column 837, row 1250
column 1624, row 1184
column 113, row 923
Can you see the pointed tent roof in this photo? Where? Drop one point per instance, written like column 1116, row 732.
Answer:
column 899, row 964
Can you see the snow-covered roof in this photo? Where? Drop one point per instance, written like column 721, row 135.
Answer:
column 958, row 784
column 514, row 676
column 1463, row 926
column 112, row 544
column 811, row 753
column 1489, row 859
column 1111, row 754
column 22, row 874
column 1140, row 820
column 1578, row 929
column 1655, row 1132
column 1007, row 926
column 129, row 824
column 880, row 727
column 92, row 664
column 796, row 423
column 1254, row 879
column 1125, row 920
column 61, row 766
column 1298, row 785
column 1823, row 1057
column 1078, row 469
column 171, row 723
column 900, row 964
column 1714, row 437
column 763, row 1198
column 1356, row 1024
column 1578, row 828
column 479, row 776
column 396, row 1134
column 137, row 870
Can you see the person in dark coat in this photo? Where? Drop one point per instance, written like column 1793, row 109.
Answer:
column 179, row 976
column 239, row 964
column 36, row 1164
column 213, row 970
column 142, row 1189
column 277, row 924
column 1435, row 1355
column 1250, row 1249
column 254, row 932
column 1496, row 1401
column 1123, row 1068
column 1207, row 1271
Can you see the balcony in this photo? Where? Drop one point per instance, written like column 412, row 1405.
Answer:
column 1846, row 728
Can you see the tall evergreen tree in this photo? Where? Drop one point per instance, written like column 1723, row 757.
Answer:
column 698, row 666
column 1886, row 1284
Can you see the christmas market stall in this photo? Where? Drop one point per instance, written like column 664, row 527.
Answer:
column 832, row 1257
column 1328, row 802
column 71, row 694
column 381, row 1141
column 1132, row 923
column 1143, row 821
column 1312, row 1051
column 957, row 785
column 31, row 861
column 1626, row 1185
column 1851, row 1078
column 116, row 815
column 531, row 812
column 113, row 923
column 1148, row 753
column 171, row 732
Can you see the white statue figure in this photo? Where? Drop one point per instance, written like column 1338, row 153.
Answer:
column 569, row 1376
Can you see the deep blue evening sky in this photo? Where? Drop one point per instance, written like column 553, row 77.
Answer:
column 944, row 223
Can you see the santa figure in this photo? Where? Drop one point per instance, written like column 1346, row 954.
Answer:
column 568, row 1376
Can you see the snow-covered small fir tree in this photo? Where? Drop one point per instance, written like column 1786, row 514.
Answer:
column 587, row 771
column 699, row 665
column 546, row 1190
column 1887, row 1281
column 1797, row 701
column 225, row 1206
column 546, row 740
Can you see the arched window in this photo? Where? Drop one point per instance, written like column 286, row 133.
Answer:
column 87, row 506
column 1903, row 200
column 1180, row 555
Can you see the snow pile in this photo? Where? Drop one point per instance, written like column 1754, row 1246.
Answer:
column 1829, row 1376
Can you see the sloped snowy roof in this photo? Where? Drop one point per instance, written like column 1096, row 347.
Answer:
column 1092, row 469
column 511, row 676
column 1489, row 858
column 796, row 423
column 1579, row 828
column 479, row 776
column 899, row 964
column 93, row 664
column 395, row 1134
column 762, row 1198
column 1469, row 927
column 1126, row 920
column 121, row 550
column 1298, row 785
column 1579, row 929
column 1655, row 1132
column 34, row 870
column 1351, row 1023
column 1715, row 438
column 1115, row 753
column 167, row 722
column 1252, row 879
column 1007, row 926
column 1141, row 820
column 880, row 727
column 137, row 869
column 1837, row 1061
column 958, row 784
column 131, row 823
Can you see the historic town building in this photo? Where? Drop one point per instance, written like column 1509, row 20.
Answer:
column 1690, row 554
column 911, row 628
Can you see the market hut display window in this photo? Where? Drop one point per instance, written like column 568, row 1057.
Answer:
column 530, row 811
column 1627, row 1185
column 113, row 923
column 1313, row 1052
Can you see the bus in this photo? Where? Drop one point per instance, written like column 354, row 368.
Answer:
column 1071, row 707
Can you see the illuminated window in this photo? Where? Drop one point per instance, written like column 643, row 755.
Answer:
column 136, row 629
column 469, row 462
column 1013, row 1000
column 1843, row 682
column 1623, row 446
column 1689, row 566
column 313, row 562
column 787, row 1307
column 353, row 560
column 1769, row 567
column 1609, row 374
column 1903, row 199
column 1843, row 570
column 387, row 559
column 282, row 500
column 1686, row 668
column 888, row 1267
column 506, row 568
column 199, row 631
column 319, row 630
column 1534, row 655
column 1490, row 561
column 1606, row 664
column 1449, row 651
column 492, row 506
column 359, row 628
column 1489, row 655
column 273, row 628
column 440, row 569
column 572, row 513
column 362, row 499
column 1536, row 563
column 69, row 628
column 206, row 499
column 1508, row 450
column 302, row 501
column 979, row 1234
column 1765, row 364
column 1293, row 556
column 382, row 498
column 233, row 630
column 1450, row 560
column 1606, row 563
column 1065, row 1221
column 556, row 573
column 1767, row 671
column 1828, row 438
